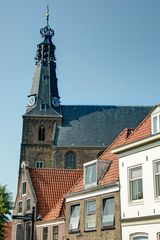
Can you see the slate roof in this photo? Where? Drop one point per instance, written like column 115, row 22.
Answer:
column 112, row 175
column 50, row 185
column 96, row 125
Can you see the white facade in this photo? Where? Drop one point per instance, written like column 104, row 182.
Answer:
column 140, row 200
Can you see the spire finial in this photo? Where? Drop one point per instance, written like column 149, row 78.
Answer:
column 47, row 14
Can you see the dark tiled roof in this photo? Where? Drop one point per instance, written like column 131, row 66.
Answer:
column 96, row 125
column 112, row 175
column 50, row 185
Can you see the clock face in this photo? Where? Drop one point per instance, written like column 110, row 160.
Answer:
column 55, row 101
column 31, row 101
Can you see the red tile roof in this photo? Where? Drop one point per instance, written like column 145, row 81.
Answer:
column 112, row 175
column 8, row 231
column 50, row 185
column 142, row 131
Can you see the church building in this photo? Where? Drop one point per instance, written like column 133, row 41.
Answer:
column 57, row 136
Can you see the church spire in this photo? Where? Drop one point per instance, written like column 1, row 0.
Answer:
column 44, row 92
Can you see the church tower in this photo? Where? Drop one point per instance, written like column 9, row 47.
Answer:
column 43, row 113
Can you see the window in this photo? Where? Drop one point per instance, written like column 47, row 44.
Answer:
column 44, row 106
column 28, row 231
column 139, row 236
column 20, row 207
column 41, row 133
column 75, row 216
column 28, row 204
column 158, row 236
column 55, row 232
column 70, row 160
column 157, row 178
column 108, row 212
column 155, row 123
column 45, row 233
column 24, row 188
column 19, row 232
column 135, row 183
column 39, row 164
column 90, row 219
column 90, row 174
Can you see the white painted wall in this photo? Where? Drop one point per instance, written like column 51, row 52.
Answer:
column 149, row 205
column 151, row 229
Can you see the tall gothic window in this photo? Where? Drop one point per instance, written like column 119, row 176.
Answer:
column 70, row 160
column 41, row 133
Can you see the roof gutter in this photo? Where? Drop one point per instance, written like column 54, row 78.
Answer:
column 136, row 144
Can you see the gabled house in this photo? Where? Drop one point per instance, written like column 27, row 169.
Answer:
column 93, row 205
column 43, row 189
column 139, row 166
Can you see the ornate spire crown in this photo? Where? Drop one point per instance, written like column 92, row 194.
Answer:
column 47, row 31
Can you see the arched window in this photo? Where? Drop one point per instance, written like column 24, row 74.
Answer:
column 139, row 236
column 41, row 133
column 70, row 160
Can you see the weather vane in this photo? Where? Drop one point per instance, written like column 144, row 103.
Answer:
column 47, row 14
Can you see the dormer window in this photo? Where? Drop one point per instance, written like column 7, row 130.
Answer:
column 93, row 171
column 156, row 121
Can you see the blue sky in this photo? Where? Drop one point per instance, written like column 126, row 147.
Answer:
column 108, row 53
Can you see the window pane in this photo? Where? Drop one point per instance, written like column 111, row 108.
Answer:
column 19, row 232
column 108, row 212
column 91, row 207
column 90, row 221
column 24, row 188
column 155, row 119
column 55, row 233
column 91, row 174
column 28, row 204
column 136, row 189
column 157, row 185
column 136, row 173
column 75, row 216
column 157, row 167
column 140, row 238
column 45, row 233
column 28, row 231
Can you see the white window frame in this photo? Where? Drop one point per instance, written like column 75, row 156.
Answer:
column 74, row 221
column 90, row 217
column 155, row 115
column 104, row 201
column 24, row 182
column 131, row 200
column 157, row 196
column 86, row 165
column 39, row 163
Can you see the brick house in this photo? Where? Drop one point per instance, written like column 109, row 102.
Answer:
column 44, row 190
column 93, row 205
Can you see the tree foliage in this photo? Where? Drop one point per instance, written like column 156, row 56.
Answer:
column 5, row 211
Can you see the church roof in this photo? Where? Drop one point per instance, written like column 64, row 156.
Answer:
column 96, row 125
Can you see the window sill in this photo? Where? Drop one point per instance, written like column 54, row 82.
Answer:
column 90, row 230
column 136, row 202
column 108, row 227
column 74, row 231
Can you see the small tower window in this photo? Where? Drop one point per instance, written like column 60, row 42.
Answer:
column 70, row 160
column 41, row 133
